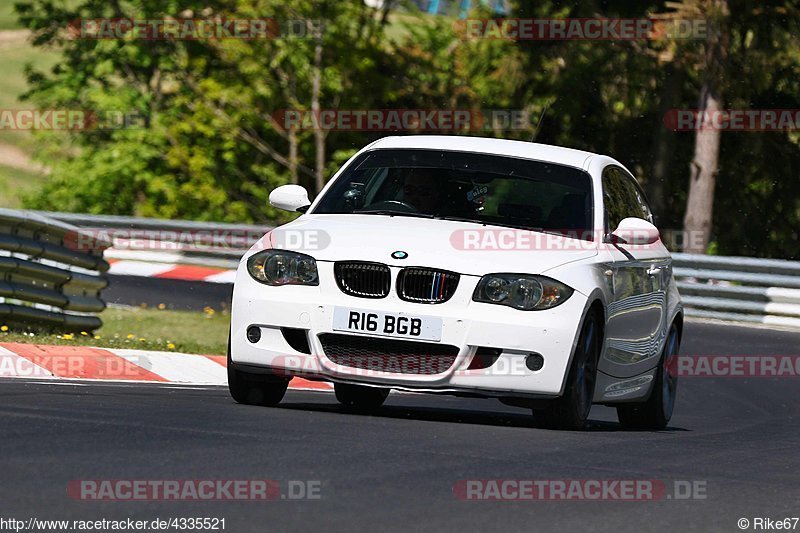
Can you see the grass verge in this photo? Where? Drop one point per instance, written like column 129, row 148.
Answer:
column 15, row 183
column 15, row 55
column 144, row 329
column 8, row 18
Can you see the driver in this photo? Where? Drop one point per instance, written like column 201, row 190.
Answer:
column 420, row 190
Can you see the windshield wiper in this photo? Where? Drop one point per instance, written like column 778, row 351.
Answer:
column 391, row 213
column 500, row 224
column 459, row 219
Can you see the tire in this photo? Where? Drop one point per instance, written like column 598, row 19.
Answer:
column 254, row 389
column 571, row 410
column 655, row 413
column 360, row 398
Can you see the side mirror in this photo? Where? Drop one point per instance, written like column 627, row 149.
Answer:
column 289, row 198
column 635, row 231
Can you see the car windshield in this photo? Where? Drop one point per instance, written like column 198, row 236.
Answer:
column 480, row 188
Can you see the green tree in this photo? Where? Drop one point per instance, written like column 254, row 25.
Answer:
column 738, row 198
column 209, row 145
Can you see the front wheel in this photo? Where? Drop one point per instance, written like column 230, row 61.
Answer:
column 656, row 412
column 571, row 410
column 254, row 389
column 360, row 398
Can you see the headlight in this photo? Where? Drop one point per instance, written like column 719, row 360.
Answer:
column 279, row 267
column 520, row 291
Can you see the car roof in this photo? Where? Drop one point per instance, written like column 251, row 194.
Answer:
column 527, row 150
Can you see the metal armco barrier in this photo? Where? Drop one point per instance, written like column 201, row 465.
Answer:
column 210, row 244
column 48, row 281
column 743, row 289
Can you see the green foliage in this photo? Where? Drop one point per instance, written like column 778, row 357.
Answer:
column 8, row 19
column 209, row 142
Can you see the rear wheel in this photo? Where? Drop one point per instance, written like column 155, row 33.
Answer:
column 254, row 389
column 571, row 410
column 656, row 412
column 360, row 398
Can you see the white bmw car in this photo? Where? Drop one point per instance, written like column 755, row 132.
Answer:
column 478, row 267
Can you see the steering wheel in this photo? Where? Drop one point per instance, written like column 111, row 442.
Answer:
column 391, row 205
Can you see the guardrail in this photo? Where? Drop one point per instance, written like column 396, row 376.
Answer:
column 743, row 289
column 740, row 289
column 48, row 281
column 211, row 244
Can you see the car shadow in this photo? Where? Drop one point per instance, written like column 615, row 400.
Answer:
column 460, row 416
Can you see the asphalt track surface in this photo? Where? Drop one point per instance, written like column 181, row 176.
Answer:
column 176, row 294
column 395, row 470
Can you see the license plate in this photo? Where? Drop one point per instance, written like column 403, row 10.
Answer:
column 400, row 325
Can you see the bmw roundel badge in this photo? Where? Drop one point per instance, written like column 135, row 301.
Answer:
column 399, row 254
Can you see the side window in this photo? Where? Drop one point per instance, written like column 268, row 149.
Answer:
column 638, row 202
column 622, row 198
column 614, row 194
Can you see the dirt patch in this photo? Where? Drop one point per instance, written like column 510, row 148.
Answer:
column 10, row 38
column 13, row 157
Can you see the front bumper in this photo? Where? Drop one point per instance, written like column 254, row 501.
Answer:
column 466, row 325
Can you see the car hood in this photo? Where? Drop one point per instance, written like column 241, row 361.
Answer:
column 463, row 247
